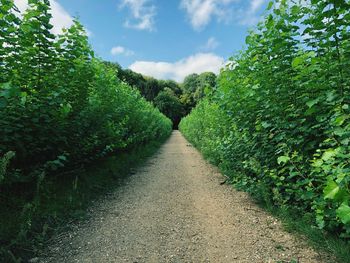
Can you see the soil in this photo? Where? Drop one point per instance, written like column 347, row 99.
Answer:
column 175, row 209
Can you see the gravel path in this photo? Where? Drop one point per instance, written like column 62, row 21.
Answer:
column 175, row 209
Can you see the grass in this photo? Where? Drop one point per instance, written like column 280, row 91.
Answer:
column 28, row 220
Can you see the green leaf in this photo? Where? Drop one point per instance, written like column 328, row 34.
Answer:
column 277, row 11
column 270, row 5
column 66, row 109
column 7, row 91
column 343, row 212
column 265, row 124
column 282, row 159
column 317, row 163
column 311, row 103
column 295, row 10
column 297, row 62
column 340, row 177
column 331, row 190
column 62, row 158
column 331, row 96
column 328, row 154
column 340, row 120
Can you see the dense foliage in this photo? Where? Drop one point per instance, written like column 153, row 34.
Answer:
column 170, row 105
column 59, row 104
column 174, row 100
column 195, row 87
column 149, row 87
column 153, row 90
column 60, row 107
column 279, row 118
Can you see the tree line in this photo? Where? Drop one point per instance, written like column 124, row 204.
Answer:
column 173, row 99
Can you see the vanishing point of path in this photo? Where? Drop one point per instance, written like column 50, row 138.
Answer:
column 175, row 209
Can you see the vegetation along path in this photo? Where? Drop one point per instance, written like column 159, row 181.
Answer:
column 177, row 209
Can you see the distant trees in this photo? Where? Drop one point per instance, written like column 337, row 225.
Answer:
column 195, row 87
column 170, row 105
column 148, row 87
column 172, row 99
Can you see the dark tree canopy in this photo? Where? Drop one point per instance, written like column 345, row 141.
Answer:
column 170, row 105
column 195, row 87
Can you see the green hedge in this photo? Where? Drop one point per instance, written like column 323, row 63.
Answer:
column 59, row 105
column 279, row 119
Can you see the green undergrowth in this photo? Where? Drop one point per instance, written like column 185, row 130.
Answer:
column 29, row 220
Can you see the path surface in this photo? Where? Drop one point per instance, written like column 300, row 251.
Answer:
column 175, row 210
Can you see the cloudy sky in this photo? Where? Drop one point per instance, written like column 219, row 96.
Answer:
column 167, row 39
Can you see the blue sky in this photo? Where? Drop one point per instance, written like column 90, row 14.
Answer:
column 167, row 39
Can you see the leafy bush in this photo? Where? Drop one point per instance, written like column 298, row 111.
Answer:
column 59, row 105
column 279, row 119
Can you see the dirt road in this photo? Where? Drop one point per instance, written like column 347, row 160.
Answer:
column 175, row 210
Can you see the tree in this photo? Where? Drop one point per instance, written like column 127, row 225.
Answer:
column 8, row 39
column 37, row 53
column 170, row 105
column 195, row 87
column 190, row 83
column 171, row 84
column 207, row 82
column 74, row 69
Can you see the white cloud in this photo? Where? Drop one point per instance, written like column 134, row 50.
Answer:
column 119, row 50
column 21, row 4
column 211, row 44
column 198, row 63
column 60, row 17
column 142, row 13
column 249, row 16
column 255, row 5
column 201, row 12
